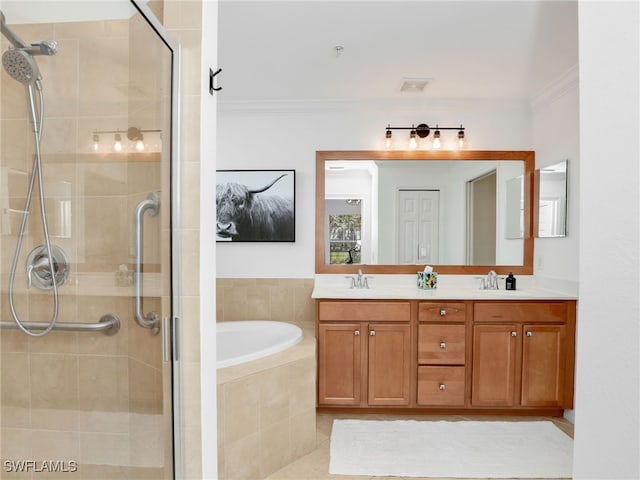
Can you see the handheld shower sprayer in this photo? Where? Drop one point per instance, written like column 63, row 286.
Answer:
column 20, row 64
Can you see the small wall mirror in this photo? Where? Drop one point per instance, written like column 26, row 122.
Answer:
column 551, row 196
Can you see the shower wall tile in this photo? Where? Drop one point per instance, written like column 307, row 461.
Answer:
column 145, row 391
column 51, row 444
column 191, row 329
column 53, row 381
column 105, row 231
column 15, row 135
column 103, row 76
column 103, row 383
column 15, row 395
column 60, row 136
column 104, row 448
column 191, row 262
column 60, row 80
column 55, row 419
column 104, row 422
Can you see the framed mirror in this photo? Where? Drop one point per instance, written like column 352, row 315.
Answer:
column 551, row 197
column 396, row 211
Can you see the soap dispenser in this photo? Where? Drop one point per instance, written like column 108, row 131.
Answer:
column 510, row 282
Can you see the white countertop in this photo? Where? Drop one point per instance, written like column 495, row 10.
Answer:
column 450, row 287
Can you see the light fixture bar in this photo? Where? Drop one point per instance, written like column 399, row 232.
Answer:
column 422, row 130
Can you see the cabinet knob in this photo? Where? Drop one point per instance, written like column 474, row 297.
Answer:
column 514, row 334
column 529, row 334
column 356, row 333
column 442, row 386
column 372, row 333
column 443, row 312
column 443, row 345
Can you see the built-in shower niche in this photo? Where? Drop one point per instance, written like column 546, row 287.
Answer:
column 13, row 185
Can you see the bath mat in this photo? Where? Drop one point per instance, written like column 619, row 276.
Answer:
column 464, row 449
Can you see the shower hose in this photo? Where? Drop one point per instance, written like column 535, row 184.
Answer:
column 37, row 120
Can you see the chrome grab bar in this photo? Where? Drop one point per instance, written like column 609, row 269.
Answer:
column 109, row 324
column 152, row 204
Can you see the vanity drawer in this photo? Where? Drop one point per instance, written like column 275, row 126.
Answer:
column 441, row 312
column 441, row 386
column 364, row 311
column 552, row 312
column 441, row 344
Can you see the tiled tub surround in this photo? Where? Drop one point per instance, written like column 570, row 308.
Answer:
column 280, row 299
column 267, row 407
column 267, row 412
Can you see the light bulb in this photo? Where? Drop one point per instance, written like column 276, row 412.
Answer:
column 140, row 145
column 413, row 143
column 117, row 146
column 96, row 142
column 388, row 141
column 436, row 139
column 461, row 138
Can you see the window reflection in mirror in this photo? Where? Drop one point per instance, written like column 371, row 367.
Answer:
column 552, row 200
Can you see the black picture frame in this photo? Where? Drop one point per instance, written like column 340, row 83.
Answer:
column 255, row 206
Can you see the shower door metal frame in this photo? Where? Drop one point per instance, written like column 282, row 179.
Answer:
column 172, row 323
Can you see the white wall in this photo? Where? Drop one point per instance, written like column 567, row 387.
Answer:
column 287, row 136
column 556, row 137
column 607, row 433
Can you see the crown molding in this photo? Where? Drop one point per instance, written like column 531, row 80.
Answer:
column 556, row 89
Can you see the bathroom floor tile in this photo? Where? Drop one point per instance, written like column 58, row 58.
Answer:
column 315, row 465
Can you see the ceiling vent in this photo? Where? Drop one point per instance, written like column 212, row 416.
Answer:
column 415, row 85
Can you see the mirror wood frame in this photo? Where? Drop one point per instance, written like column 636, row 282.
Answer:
column 527, row 156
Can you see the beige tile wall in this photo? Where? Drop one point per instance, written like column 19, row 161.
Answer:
column 281, row 299
column 183, row 20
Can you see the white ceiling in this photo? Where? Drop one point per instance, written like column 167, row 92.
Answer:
column 285, row 50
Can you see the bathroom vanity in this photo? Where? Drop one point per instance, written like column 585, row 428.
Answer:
column 462, row 351
column 454, row 349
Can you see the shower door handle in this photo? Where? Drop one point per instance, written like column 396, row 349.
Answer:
column 152, row 204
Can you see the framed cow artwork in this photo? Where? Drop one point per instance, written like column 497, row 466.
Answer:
column 255, row 206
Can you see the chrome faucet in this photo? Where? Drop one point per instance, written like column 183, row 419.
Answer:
column 491, row 281
column 358, row 282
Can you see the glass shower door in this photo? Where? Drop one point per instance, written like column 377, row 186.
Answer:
column 94, row 395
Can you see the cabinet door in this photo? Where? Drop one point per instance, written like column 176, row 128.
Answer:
column 389, row 364
column 543, row 365
column 494, row 365
column 339, row 357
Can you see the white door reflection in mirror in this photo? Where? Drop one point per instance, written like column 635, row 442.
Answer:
column 418, row 226
column 514, row 208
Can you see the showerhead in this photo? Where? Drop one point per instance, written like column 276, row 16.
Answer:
column 21, row 66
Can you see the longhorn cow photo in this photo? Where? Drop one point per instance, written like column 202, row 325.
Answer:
column 255, row 205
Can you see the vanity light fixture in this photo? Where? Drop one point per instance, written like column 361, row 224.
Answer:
column 134, row 134
column 117, row 146
column 422, row 130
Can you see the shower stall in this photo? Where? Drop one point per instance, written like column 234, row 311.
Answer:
column 89, row 288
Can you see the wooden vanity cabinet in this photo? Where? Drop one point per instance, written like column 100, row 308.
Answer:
column 521, row 354
column 441, row 354
column 364, row 353
column 476, row 356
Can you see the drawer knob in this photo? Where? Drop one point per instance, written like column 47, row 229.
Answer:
column 372, row 333
column 514, row 334
column 443, row 312
column 442, row 386
column 529, row 334
column 443, row 345
column 356, row 333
